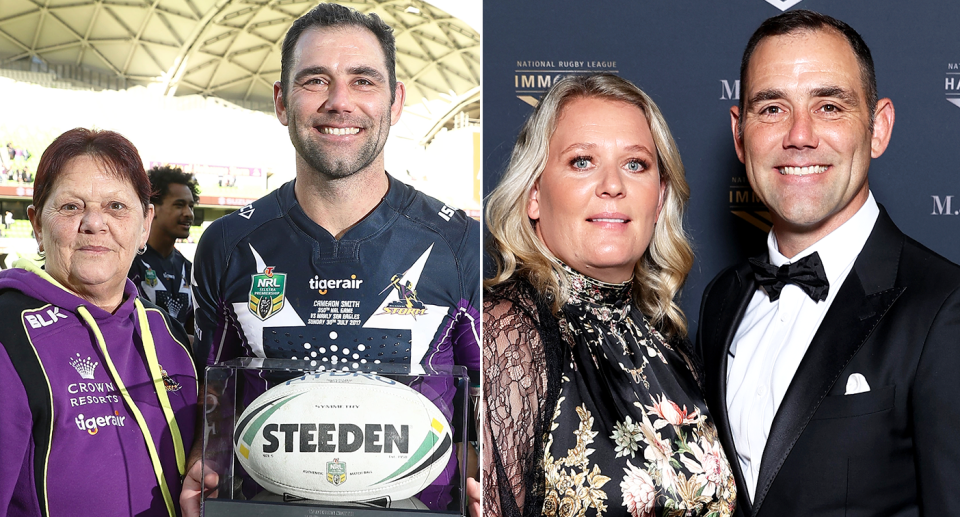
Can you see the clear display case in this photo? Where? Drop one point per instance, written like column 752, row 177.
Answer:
column 234, row 385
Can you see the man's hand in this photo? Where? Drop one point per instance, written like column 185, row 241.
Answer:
column 473, row 498
column 196, row 485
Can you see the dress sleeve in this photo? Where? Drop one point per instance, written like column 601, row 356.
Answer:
column 514, row 389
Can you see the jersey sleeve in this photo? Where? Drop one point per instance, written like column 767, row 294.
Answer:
column 466, row 332
column 215, row 338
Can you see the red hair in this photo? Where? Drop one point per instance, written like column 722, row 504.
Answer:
column 117, row 155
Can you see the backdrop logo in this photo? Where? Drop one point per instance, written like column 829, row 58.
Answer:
column 952, row 83
column 729, row 91
column 783, row 5
column 944, row 206
column 531, row 79
column 745, row 204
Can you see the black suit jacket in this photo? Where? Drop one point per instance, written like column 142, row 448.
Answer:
column 894, row 450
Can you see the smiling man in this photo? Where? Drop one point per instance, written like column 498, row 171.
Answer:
column 344, row 266
column 830, row 362
column 162, row 273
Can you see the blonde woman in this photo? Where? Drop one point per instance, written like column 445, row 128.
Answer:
column 592, row 397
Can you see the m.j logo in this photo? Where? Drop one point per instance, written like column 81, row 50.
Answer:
column 266, row 293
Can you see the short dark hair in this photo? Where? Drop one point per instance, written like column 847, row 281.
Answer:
column 117, row 155
column 162, row 176
column 803, row 20
column 336, row 16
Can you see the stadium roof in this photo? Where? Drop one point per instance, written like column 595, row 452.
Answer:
column 228, row 49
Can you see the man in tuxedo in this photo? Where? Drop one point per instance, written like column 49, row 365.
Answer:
column 831, row 365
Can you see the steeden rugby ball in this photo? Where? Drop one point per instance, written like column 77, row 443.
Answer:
column 343, row 436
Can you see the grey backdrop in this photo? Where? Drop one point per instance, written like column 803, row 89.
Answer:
column 686, row 55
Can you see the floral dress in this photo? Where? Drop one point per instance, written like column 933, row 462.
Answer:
column 627, row 433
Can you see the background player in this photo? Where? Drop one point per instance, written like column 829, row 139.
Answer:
column 162, row 273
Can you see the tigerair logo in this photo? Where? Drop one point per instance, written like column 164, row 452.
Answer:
column 323, row 285
column 531, row 79
column 92, row 425
column 85, row 367
column 745, row 204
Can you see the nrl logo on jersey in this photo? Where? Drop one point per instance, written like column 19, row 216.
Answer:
column 266, row 293
column 150, row 277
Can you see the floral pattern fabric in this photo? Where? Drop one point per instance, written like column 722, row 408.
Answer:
column 630, row 434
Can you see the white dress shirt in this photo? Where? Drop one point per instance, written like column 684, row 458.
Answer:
column 774, row 336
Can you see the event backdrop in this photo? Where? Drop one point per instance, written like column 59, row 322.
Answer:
column 686, row 55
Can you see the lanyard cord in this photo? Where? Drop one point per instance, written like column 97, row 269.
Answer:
column 153, row 363
column 138, row 416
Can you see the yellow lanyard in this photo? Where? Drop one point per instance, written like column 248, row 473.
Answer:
column 153, row 365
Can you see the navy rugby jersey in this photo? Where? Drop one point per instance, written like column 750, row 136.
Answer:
column 402, row 286
column 165, row 282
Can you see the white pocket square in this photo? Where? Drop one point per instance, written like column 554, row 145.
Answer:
column 856, row 383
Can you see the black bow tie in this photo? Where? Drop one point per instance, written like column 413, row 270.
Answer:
column 806, row 273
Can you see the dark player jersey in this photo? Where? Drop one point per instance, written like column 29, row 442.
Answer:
column 165, row 282
column 402, row 286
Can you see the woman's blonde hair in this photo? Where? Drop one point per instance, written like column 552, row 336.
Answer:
column 518, row 251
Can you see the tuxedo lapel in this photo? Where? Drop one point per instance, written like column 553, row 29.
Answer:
column 863, row 299
column 719, row 333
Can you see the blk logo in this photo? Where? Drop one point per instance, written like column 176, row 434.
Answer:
column 37, row 320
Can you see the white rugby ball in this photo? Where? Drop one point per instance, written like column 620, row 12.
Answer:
column 343, row 436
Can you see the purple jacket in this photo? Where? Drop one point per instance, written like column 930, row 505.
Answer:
column 78, row 448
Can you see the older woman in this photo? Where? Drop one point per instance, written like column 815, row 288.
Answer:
column 592, row 401
column 98, row 388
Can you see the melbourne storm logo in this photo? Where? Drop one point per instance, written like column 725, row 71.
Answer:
column 266, row 293
column 408, row 303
